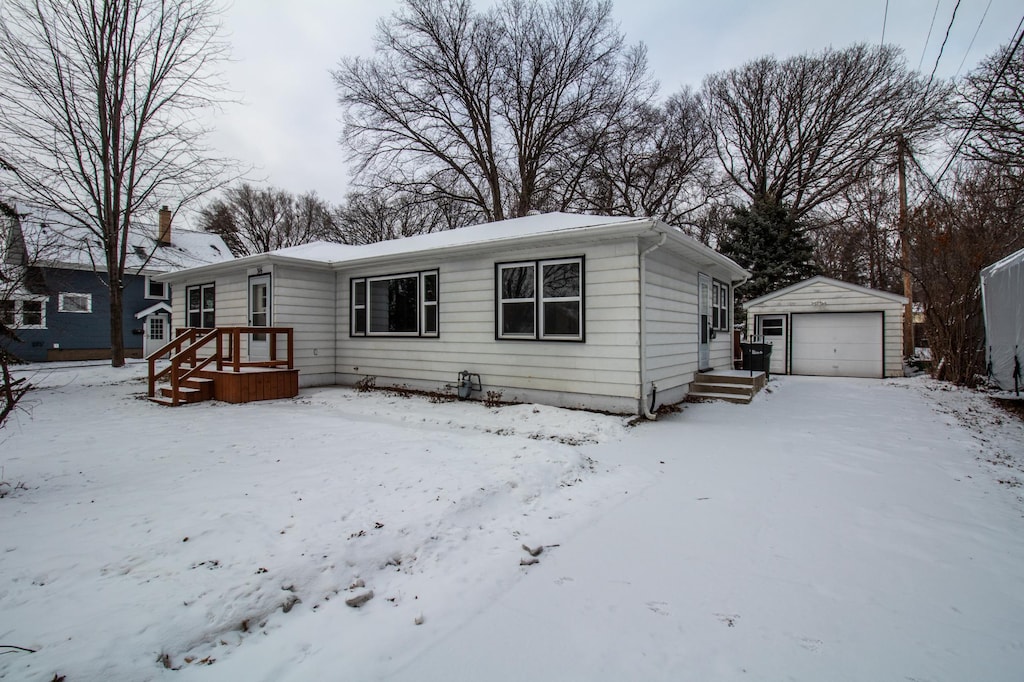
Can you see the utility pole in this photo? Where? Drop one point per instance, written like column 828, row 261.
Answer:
column 908, row 286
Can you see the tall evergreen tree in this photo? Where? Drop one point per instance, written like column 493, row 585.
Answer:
column 768, row 241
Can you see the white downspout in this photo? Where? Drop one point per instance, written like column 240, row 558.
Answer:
column 643, row 327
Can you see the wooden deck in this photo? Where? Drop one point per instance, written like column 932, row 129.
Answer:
column 206, row 364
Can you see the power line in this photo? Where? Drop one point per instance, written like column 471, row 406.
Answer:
column 984, row 102
column 928, row 39
column 885, row 19
column 942, row 47
column 971, row 44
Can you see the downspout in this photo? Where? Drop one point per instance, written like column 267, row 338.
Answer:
column 647, row 407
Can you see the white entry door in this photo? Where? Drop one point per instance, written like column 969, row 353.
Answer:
column 704, row 321
column 156, row 333
column 259, row 316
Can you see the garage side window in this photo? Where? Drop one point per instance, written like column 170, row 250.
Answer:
column 395, row 305
column 540, row 300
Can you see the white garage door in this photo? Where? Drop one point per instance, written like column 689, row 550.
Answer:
column 838, row 344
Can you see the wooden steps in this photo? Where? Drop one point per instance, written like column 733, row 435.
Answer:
column 734, row 386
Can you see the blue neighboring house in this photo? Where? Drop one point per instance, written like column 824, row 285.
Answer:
column 61, row 308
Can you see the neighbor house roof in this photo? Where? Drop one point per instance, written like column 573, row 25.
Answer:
column 493, row 235
column 78, row 248
column 896, row 298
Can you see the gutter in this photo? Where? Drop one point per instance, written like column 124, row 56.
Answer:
column 647, row 408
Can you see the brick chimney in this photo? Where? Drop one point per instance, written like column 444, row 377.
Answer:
column 164, row 236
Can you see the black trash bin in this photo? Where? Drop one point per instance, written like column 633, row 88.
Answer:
column 757, row 357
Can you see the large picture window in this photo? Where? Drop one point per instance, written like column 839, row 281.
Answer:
column 395, row 305
column 540, row 300
column 201, row 304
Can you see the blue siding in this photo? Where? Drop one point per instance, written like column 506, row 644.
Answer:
column 82, row 331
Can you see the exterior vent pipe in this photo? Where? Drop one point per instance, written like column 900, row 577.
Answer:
column 648, row 408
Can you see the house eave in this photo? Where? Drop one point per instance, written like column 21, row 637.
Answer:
column 821, row 279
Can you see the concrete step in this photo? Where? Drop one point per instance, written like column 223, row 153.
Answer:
column 730, row 388
column 740, row 377
column 724, row 397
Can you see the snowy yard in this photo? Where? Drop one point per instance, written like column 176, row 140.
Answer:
column 834, row 529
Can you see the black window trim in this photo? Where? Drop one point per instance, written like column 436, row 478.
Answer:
column 720, row 314
column 539, row 299
column 421, row 305
column 202, row 310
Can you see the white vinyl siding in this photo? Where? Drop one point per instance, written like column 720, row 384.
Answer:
column 673, row 327
column 826, row 297
column 605, row 365
column 304, row 300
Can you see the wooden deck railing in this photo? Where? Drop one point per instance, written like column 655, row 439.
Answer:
column 186, row 361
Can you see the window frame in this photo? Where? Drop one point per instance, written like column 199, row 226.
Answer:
column 539, row 300
column 62, row 307
column 202, row 310
column 153, row 297
column 17, row 318
column 720, row 300
column 361, row 307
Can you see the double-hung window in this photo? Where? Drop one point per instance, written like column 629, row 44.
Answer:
column 720, row 305
column 395, row 305
column 540, row 300
column 201, row 306
column 23, row 313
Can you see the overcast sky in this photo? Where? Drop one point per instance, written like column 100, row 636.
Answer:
column 288, row 123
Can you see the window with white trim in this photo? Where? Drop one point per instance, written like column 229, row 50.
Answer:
column 23, row 314
column 156, row 290
column 540, row 300
column 719, row 305
column 74, row 303
column 395, row 305
column 201, row 305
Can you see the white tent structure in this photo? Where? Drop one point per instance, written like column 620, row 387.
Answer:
column 1002, row 297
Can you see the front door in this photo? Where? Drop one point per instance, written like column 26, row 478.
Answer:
column 704, row 322
column 157, row 333
column 259, row 316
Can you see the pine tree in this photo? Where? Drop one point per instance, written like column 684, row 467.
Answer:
column 768, row 241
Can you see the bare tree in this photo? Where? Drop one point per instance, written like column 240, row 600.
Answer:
column 660, row 163
column 805, row 129
column 253, row 220
column 98, row 105
column 498, row 110
column 992, row 110
column 951, row 240
column 366, row 218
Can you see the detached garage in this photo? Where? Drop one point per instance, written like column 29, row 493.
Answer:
column 824, row 327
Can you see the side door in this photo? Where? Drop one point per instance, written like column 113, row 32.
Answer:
column 703, row 321
column 259, row 316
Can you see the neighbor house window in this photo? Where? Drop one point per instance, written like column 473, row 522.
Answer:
column 395, row 305
column 23, row 314
column 74, row 303
column 720, row 305
column 154, row 289
column 200, row 302
column 540, row 300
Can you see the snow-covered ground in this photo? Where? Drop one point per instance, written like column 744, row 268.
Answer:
column 834, row 529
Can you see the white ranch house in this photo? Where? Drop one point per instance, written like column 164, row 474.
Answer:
column 825, row 327
column 571, row 310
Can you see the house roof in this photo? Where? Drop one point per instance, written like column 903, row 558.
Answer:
column 160, row 307
column 493, row 235
column 78, row 248
column 896, row 298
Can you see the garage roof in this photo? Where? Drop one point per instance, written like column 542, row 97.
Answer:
column 896, row 298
